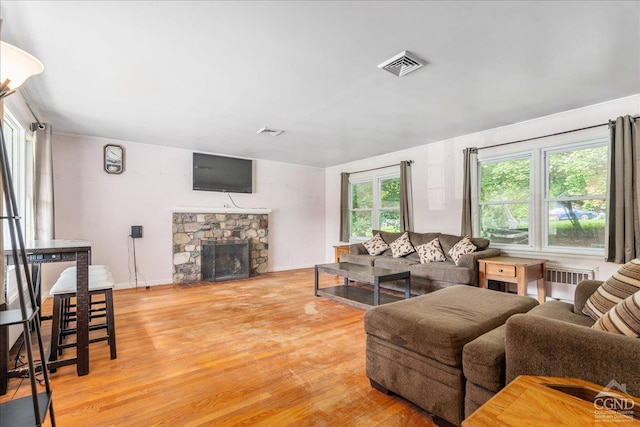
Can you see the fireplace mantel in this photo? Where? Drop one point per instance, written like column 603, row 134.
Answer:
column 223, row 210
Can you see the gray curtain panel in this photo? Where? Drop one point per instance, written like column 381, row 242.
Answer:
column 2, row 289
column 470, row 156
column 406, row 199
column 44, row 221
column 344, row 207
column 623, row 230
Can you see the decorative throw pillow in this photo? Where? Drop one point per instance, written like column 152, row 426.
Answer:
column 623, row 319
column 431, row 252
column 463, row 247
column 625, row 282
column 401, row 246
column 376, row 245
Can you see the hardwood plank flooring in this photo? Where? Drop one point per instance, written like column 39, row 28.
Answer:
column 257, row 352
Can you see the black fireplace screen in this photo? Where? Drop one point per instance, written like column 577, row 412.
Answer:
column 225, row 260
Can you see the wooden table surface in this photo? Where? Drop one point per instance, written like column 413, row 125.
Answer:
column 531, row 401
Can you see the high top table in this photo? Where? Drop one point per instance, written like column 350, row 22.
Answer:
column 46, row 251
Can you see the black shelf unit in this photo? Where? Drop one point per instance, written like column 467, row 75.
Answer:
column 19, row 412
column 31, row 410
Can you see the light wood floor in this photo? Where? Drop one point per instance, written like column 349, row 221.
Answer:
column 257, row 352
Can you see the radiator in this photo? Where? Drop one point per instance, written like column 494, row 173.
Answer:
column 568, row 275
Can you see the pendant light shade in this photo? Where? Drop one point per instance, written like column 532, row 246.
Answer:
column 16, row 66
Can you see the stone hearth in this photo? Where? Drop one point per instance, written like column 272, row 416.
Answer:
column 191, row 227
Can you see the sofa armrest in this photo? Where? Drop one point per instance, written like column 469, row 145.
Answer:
column 584, row 290
column 537, row 345
column 471, row 260
column 357, row 249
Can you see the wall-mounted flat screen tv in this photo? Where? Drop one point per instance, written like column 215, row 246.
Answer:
column 218, row 173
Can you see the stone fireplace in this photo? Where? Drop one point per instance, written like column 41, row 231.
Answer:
column 196, row 228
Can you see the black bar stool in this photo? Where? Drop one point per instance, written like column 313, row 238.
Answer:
column 63, row 291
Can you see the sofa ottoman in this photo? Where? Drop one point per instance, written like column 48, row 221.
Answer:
column 414, row 346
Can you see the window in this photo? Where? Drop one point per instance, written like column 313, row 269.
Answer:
column 18, row 144
column 374, row 204
column 551, row 198
column 505, row 200
column 575, row 197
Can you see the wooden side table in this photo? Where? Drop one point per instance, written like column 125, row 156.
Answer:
column 514, row 270
column 551, row 401
column 339, row 250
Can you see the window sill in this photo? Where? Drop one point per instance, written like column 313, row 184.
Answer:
column 550, row 253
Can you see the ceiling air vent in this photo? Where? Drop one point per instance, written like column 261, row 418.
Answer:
column 272, row 132
column 403, row 63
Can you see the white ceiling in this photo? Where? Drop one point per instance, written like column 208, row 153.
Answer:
column 205, row 75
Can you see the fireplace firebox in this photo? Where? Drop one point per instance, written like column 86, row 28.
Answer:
column 225, row 260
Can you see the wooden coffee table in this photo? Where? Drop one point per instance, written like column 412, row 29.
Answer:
column 551, row 401
column 357, row 296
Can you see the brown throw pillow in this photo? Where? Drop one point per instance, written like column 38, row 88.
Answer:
column 402, row 246
column 623, row 319
column 376, row 245
column 625, row 282
column 431, row 252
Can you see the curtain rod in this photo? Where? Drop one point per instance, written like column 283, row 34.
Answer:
column 547, row 136
column 381, row 167
column 28, row 104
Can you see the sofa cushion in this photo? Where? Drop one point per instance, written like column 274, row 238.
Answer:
column 431, row 252
column 483, row 360
column 443, row 272
column 439, row 324
column 563, row 311
column 387, row 236
column 418, row 239
column 480, row 243
column 463, row 247
column 401, row 246
column 625, row 282
column 623, row 319
column 360, row 259
column 394, row 263
column 376, row 245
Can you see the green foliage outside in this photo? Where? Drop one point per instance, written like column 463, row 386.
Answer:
column 589, row 235
column 579, row 173
column 505, row 181
column 362, row 198
column 572, row 174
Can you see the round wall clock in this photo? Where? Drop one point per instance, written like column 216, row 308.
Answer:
column 113, row 158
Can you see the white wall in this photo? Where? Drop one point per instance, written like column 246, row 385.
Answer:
column 437, row 177
column 96, row 206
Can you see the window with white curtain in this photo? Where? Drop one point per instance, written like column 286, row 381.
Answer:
column 549, row 196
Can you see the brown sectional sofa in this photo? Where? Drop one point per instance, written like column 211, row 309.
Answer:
column 428, row 277
column 415, row 346
column 553, row 339
column 450, row 351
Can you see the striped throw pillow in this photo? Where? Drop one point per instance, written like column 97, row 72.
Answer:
column 623, row 319
column 625, row 282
